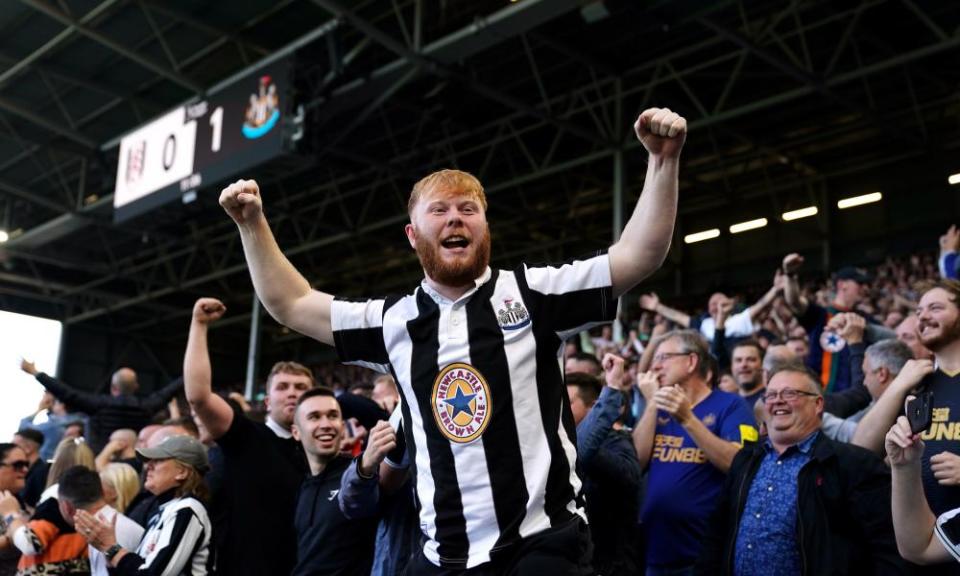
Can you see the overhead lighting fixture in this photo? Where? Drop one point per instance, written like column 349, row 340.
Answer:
column 859, row 200
column 4, row 236
column 748, row 225
column 701, row 236
column 799, row 213
column 954, row 178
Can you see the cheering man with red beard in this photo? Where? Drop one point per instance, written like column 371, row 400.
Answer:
column 474, row 353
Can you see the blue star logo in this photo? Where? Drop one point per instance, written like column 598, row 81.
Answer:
column 461, row 402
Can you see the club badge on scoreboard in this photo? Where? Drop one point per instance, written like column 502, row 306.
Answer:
column 263, row 111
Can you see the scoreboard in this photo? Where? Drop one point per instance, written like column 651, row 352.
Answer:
column 206, row 141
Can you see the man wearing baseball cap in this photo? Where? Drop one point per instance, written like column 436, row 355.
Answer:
column 829, row 352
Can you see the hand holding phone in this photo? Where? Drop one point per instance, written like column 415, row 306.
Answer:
column 920, row 411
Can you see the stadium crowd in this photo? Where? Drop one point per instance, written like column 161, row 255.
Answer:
column 809, row 430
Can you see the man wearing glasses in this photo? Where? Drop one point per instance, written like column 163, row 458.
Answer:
column 799, row 502
column 688, row 435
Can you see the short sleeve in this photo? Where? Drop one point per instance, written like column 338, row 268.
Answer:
column 739, row 424
column 358, row 333
column 240, row 433
column 574, row 296
column 948, row 531
column 739, row 325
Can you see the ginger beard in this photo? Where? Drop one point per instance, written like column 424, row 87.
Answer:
column 458, row 270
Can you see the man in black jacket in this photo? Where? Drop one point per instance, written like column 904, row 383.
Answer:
column 799, row 502
column 121, row 408
column 327, row 541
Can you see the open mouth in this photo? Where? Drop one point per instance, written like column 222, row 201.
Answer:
column 925, row 327
column 779, row 412
column 455, row 242
column 326, row 438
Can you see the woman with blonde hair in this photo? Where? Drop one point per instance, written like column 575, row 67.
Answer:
column 70, row 452
column 121, row 484
column 177, row 540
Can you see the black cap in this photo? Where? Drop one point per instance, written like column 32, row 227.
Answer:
column 858, row 275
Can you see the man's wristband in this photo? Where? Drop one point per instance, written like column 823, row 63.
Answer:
column 10, row 518
column 112, row 551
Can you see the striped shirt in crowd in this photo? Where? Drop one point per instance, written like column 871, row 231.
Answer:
column 484, row 404
column 177, row 542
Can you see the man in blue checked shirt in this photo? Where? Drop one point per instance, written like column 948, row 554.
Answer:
column 799, row 502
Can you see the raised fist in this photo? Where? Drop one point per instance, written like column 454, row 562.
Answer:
column 207, row 310
column 242, row 202
column 792, row 263
column 613, row 370
column 650, row 301
column 661, row 131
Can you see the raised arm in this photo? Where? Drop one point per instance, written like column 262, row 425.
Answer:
column 646, row 428
column 164, row 397
column 652, row 303
column 876, row 422
column 645, row 240
column 913, row 521
column 211, row 409
column 765, row 301
column 285, row 293
column 791, row 287
column 78, row 400
column 593, row 429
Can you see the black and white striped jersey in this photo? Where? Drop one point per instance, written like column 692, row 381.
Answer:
column 485, row 410
column 948, row 531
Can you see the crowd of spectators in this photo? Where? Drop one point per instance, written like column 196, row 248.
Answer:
column 746, row 436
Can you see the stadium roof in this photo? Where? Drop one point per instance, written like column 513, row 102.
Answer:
column 790, row 104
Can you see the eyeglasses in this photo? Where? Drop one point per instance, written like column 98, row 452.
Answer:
column 17, row 465
column 657, row 358
column 787, row 394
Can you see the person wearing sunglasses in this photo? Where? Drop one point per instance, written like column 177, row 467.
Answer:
column 13, row 474
column 799, row 502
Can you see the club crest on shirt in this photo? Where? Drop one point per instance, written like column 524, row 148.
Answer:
column 513, row 315
column 709, row 420
column 461, row 402
column 832, row 342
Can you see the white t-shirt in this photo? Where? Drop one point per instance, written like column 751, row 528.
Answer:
column 128, row 534
column 737, row 326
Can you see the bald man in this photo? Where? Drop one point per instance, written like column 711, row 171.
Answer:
column 121, row 408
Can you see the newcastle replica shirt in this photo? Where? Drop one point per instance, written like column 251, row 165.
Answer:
column 484, row 405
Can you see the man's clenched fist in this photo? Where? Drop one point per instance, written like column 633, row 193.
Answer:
column 661, row 131
column 242, row 201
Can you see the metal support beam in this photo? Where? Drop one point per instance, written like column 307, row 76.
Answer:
column 82, row 28
column 438, row 68
column 253, row 349
column 55, row 42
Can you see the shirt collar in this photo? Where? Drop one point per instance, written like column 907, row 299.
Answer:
column 277, row 429
column 441, row 299
column 804, row 446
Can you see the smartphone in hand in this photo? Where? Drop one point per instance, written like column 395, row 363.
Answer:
column 920, row 411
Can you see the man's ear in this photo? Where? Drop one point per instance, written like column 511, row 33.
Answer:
column 884, row 373
column 295, row 430
column 411, row 232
